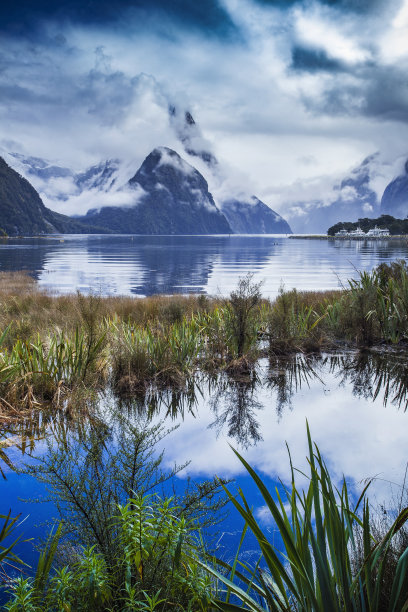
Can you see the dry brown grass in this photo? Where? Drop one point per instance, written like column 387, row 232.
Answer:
column 16, row 283
column 316, row 298
column 30, row 311
column 35, row 310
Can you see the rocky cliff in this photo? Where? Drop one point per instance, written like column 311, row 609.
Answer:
column 170, row 197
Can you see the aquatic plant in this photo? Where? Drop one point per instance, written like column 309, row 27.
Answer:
column 293, row 325
column 166, row 355
column 242, row 322
column 52, row 346
column 44, row 367
column 215, row 343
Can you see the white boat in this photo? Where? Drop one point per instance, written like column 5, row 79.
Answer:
column 342, row 233
column 378, row 232
column 357, row 233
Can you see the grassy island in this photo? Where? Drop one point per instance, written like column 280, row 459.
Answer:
column 53, row 348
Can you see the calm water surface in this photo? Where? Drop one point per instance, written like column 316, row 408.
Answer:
column 145, row 265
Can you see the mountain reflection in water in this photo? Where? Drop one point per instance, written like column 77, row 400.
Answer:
column 147, row 265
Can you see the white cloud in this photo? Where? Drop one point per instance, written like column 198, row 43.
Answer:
column 80, row 203
column 348, row 193
column 167, row 159
column 316, row 28
column 394, row 42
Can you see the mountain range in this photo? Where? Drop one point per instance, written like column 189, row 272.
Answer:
column 170, row 195
column 353, row 198
column 167, row 195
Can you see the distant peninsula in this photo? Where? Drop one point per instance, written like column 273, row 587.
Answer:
column 396, row 227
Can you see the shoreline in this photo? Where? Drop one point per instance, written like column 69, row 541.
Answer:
column 344, row 238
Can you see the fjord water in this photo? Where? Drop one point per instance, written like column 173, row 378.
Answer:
column 355, row 404
column 146, row 265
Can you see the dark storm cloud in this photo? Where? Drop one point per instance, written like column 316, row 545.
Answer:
column 313, row 60
column 357, row 6
column 102, row 92
column 23, row 17
column 374, row 92
column 387, row 95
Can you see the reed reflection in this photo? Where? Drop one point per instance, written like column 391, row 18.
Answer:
column 286, row 375
column 21, row 435
column 373, row 373
column 163, row 402
column 228, row 405
column 235, row 404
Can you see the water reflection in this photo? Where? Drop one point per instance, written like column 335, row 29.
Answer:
column 286, row 375
column 28, row 254
column 367, row 374
column 20, row 437
column 235, row 405
column 373, row 374
column 355, row 404
column 145, row 265
column 167, row 403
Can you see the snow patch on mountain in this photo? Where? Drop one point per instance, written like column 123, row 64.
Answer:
column 167, row 158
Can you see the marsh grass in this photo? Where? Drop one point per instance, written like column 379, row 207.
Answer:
column 44, row 370
column 51, row 346
column 296, row 322
column 164, row 354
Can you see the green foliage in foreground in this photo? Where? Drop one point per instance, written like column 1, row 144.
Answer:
column 153, row 568
column 7, row 556
column 320, row 530
column 123, row 545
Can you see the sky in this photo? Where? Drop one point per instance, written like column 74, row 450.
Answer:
column 288, row 95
